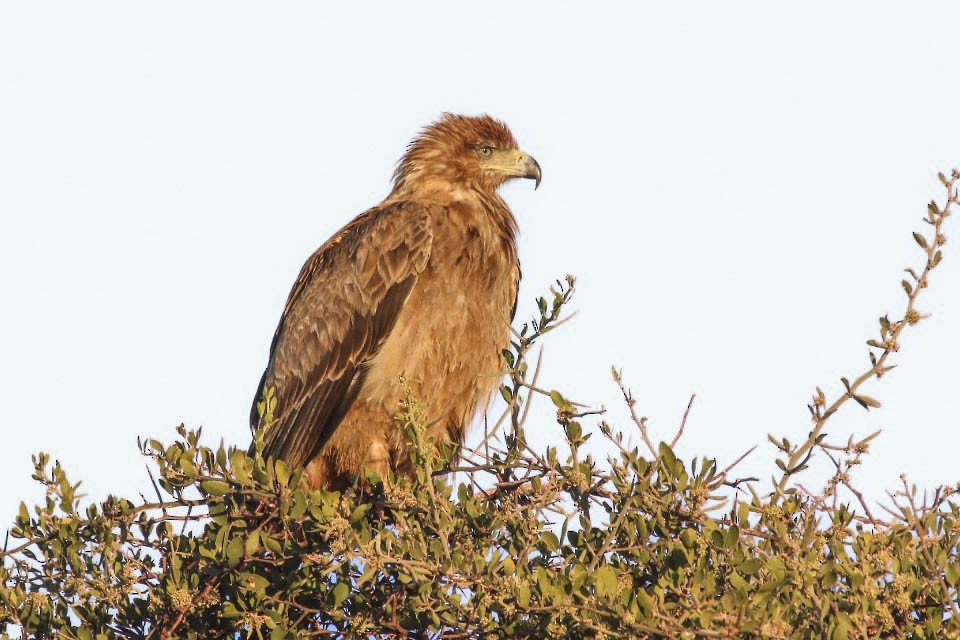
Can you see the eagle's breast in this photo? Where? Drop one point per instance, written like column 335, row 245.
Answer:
column 447, row 340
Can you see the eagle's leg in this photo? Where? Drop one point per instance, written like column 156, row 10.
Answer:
column 329, row 471
column 377, row 460
column 321, row 473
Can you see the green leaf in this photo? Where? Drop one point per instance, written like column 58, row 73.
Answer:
column 750, row 566
column 559, row 400
column 356, row 517
column 279, row 633
column 716, row 537
column 644, row 602
column 550, row 540
column 368, row 574
column 235, row 550
column 283, row 473
column 953, row 573
column 731, row 537
column 842, row 630
column 340, row 592
column 215, row 487
column 271, row 543
column 606, row 580
column 252, row 544
column 737, row 581
column 667, row 455
column 523, row 595
column 254, row 584
column 299, row 504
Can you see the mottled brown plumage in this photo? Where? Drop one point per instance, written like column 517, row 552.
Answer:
column 421, row 286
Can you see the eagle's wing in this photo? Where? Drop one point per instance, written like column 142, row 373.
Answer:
column 341, row 309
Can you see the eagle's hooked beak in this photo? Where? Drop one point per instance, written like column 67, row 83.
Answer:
column 514, row 163
column 529, row 167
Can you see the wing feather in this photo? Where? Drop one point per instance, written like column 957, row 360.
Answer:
column 340, row 311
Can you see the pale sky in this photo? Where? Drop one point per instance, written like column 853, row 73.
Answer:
column 733, row 184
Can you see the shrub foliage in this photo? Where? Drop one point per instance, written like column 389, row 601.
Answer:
column 508, row 542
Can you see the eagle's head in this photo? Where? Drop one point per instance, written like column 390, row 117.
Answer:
column 458, row 152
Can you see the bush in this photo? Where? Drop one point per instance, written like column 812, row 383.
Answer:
column 527, row 544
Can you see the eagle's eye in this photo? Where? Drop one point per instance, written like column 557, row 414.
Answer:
column 484, row 151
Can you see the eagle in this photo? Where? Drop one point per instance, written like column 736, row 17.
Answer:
column 414, row 296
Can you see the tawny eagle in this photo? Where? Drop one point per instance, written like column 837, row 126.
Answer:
column 423, row 286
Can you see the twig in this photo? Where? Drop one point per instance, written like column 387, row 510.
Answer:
column 740, row 459
column 533, row 382
column 683, row 422
column 631, row 405
column 156, row 489
column 890, row 333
